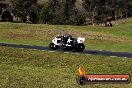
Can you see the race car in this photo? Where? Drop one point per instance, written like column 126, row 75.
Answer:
column 67, row 42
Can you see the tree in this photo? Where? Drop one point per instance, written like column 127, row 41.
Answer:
column 118, row 8
column 6, row 16
column 57, row 12
column 33, row 16
column 101, row 10
column 22, row 8
column 51, row 12
column 45, row 14
column 128, row 8
column 2, row 5
column 69, row 11
column 93, row 9
column 61, row 12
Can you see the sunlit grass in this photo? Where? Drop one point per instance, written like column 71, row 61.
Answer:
column 29, row 68
column 117, row 38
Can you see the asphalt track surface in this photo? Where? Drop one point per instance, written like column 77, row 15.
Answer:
column 93, row 52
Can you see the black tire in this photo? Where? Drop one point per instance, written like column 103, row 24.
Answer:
column 81, row 80
column 79, row 47
column 53, row 46
column 110, row 25
column 66, row 48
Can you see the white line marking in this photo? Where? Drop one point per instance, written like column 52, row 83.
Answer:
column 88, row 54
column 75, row 53
column 51, row 51
column 113, row 56
column 34, row 49
column 100, row 50
column 66, row 52
column 43, row 50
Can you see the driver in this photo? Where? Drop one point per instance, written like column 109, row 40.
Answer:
column 65, row 38
column 59, row 38
column 70, row 41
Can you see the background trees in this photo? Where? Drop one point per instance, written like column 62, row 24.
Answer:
column 128, row 8
column 61, row 12
column 102, row 10
column 2, row 5
column 6, row 15
column 93, row 7
column 69, row 12
column 51, row 12
column 22, row 8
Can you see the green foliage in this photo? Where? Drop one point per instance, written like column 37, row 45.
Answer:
column 0, row 10
column 101, row 10
column 22, row 8
column 44, row 16
column 93, row 9
column 67, row 11
column 2, row 5
column 61, row 12
column 6, row 16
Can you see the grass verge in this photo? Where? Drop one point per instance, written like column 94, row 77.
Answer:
column 33, row 68
column 117, row 38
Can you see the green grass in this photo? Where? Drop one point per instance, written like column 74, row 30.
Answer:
column 22, row 68
column 117, row 38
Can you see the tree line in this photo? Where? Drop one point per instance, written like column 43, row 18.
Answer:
column 66, row 11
